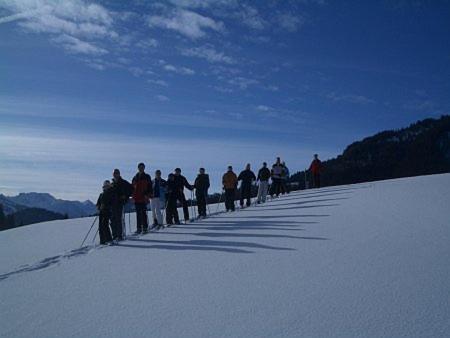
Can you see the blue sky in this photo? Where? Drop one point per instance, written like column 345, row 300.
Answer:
column 87, row 86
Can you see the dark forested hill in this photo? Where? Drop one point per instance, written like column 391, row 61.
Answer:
column 421, row 149
column 27, row 216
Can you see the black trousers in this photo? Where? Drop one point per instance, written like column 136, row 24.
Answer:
column 316, row 180
column 246, row 193
column 229, row 199
column 103, row 227
column 275, row 188
column 201, row 202
column 117, row 221
column 171, row 210
column 183, row 202
column 141, row 216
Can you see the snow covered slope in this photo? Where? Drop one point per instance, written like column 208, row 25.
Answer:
column 362, row 260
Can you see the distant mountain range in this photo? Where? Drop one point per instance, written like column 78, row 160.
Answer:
column 72, row 209
column 421, row 149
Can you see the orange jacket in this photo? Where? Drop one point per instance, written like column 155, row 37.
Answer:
column 229, row 180
column 316, row 167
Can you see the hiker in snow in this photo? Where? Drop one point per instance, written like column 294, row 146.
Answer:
column 285, row 179
column 316, row 169
column 181, row 183
column 142, row 185
column 121, row 192
column 276, row 173
column 172, row 193
column 263, row 178
column 104, row 203
column 230, row 182
column 158, row 200
column 201, row 185
column 247, row 177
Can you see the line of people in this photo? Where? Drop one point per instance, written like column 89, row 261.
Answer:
column 167, row 194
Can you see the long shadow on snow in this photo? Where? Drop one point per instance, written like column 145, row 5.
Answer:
column 205, row 244
column 302, row 197
column 183, row 248
column 237, row 216
column 226, row 234
column 47, row 262
column 303, row 207
column 300, row 203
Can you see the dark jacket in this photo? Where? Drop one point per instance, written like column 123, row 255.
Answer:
column 104, row 201
column 121, row 191
column 172, row 189
column 181, row 182
column 264, row 174
column 247, row 177
column 316, row 167
column 202, row 183
column 158, row 185
column 143, row 190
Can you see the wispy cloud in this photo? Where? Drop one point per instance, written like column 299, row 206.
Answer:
column 350, row 98
column 77, row 46
column 178, row 70
column 77, row 26
column 186, row 22
column 162, row 98
column 158, row 82
column 242, row 82
column 209, row 53
column 289, row 22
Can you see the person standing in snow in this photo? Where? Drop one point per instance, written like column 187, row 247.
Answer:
column 230, row 182
column 181, row 183
column 285, row 179
column 276, row 173
column 156, row 203
column 201, row 185
column 263, row 178
column 172, row 194
column 104, row 204
column 142, row 185
column 121, row 192
column 247, row 176
column 316, row 170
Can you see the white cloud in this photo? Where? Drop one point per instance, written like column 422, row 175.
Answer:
column 77, row 46
column 242, row 82
column 158, row 82
column 250, row 17
column 179, row 70
column 162, row 98
column 351, row 98
column 289, row 22
column 209, row 54
column 147, row 44
column 264, row 108
column 186, row 22
column 78, row 26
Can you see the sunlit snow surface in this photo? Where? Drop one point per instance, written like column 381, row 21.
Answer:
column 362, row 260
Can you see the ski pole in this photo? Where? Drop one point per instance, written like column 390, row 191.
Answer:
column 84, row 240
column 218, row 203
column 129, row 221
column 95, row 236
column 207, row 204
column 192, row 205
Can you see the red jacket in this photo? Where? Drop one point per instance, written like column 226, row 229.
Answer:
column 316, row 167
column 143, row 189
